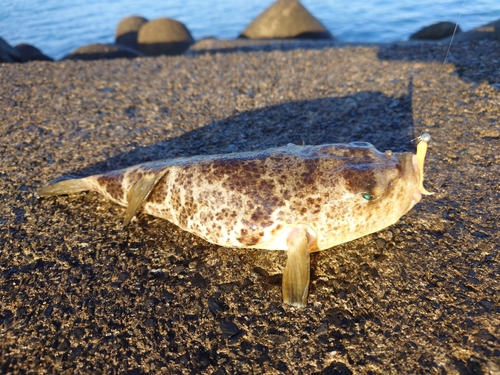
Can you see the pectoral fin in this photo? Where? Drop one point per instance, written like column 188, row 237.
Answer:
column 297, row 270
column 138, row 194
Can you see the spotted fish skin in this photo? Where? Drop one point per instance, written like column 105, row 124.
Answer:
column 337, row 192
column 295, row 198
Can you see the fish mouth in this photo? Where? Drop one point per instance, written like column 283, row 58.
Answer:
column 417, row 166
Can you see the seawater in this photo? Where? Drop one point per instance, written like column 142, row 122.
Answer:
column 58, row 27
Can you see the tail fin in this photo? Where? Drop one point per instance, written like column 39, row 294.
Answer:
column 65, row 187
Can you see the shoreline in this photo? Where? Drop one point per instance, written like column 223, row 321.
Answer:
column 284, row 21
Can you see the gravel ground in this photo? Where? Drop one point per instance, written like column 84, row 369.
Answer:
column 79, row 294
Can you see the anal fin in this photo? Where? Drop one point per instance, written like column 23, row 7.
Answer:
column 138, row 194
column 296, row 275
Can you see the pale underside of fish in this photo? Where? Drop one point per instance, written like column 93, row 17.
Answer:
column 295, row 198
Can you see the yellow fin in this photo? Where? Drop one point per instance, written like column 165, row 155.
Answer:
column 138, row 194
column 297, row 271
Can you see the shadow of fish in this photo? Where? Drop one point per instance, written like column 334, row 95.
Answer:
column 300, row 199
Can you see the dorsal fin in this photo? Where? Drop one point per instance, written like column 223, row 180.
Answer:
column 139, row 192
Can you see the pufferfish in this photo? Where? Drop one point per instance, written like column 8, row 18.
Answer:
column 300, row 199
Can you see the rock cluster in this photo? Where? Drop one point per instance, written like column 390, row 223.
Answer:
column 436, row 31
column 163, row 36
column 127, row 29
column 136, row 36
column 286, row 19
column 98, row 51
column 490, row 31
column 8, row 53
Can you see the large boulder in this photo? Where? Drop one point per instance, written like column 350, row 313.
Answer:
column 286, row 19
column 436, row 31
column 490, row 31
column 127, row 29
column 31, row 53
column 163, row 36
column 98, row 51
column 8, row 53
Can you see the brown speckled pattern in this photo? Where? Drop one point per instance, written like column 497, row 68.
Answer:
column 254, row 199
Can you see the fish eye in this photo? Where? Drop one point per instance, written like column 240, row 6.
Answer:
column 368, row 197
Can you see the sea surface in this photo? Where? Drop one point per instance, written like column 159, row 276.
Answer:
column 58, row 27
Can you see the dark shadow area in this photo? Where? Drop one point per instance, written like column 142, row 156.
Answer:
column 384, row 121
column 167, row 49
column 469, row 57
column 213, row 45
column 128, row 39
column 314, row 35
column 99, row 51
column 473, row 64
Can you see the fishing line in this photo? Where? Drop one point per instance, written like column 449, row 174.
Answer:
column 426, row 136
column 454, row 31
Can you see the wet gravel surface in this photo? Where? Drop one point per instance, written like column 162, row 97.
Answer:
column 79, row 294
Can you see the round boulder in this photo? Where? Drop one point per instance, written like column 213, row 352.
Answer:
column 31, row 53
column 436, row 31
column 127, row 29
column 98, row 51
column 490, row 31
column 163, row 36
column 286, row 19
column 8, row 53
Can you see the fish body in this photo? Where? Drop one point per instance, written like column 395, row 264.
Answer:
column 295, row 198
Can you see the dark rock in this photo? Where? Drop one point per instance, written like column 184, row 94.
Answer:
column 490, row 31
column 10, row 272
column 486, row 304
column 484, row 334
column 436, row 31
column 261, row 271
column 78, row 333
column 479, row 234
column 228, row 328
column 281, row 366
column 211, row 43
column 214, row 306
column 150, row 322
column 8, row 53
column 286, row 19
column 167, row 296
column 31, row 53
column 336, row 368
column 48, row 310
column 98, row 51
column 323, row 328
column 64, row 345
column 198, row 280
column 6, row 316
column 163, row 36
column 127, row 30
